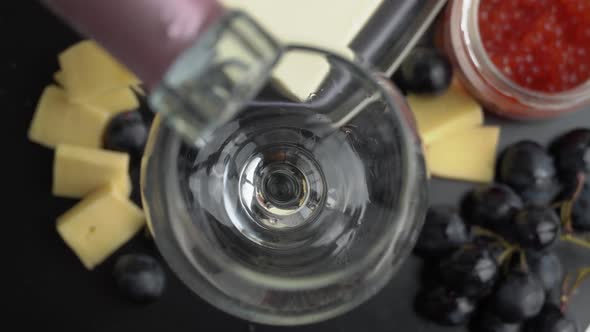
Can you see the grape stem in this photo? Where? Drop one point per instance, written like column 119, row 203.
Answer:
column 523, row 263
column 509, row 248
column 568, row 291
column 576, row 240
column 478, row 230
column 566, row 207
column 507, row 254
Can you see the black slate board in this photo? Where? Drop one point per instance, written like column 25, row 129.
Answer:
column 46, row 285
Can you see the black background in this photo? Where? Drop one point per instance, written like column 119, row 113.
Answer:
column 47, row 287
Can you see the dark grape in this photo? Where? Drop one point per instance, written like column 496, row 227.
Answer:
column 572, row 152
column 551, row 319
column 126, row 132
column 547, row 267
column 520, row 296
column 424, row 71
column 537, row 227
column 139, row 277
column 529, row 170
column 443, row 232
column 470, row 271
column 486, row 321
column 491, row 206
column 444, row 306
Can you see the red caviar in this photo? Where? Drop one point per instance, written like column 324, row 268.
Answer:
column 542, row 45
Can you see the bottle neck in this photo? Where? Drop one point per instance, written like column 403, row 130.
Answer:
column 145, row 35
column 216, row 77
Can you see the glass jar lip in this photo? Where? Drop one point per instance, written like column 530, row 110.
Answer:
column 379, row 252
column 545, row 102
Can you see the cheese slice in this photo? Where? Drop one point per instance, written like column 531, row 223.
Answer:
column 59, row 121
column 327, row 24
column 138, row 89
column 122, row 183
column 59, row 78
column 120, row 100
column 468, row 155
column 115, row 101
column 99, row 225
column 444, row 115
column 78, row 171
column 90, row 71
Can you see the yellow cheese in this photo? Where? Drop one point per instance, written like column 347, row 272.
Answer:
column 58, row 121
column 78, row 171
column 59, row 78
column 99, row 225
column 90, row 71
column 139, row 90
column 440, row 116
column 328, row 24
column 467, row 155
column 150, row 229
column 114, row 101
column 122, row 183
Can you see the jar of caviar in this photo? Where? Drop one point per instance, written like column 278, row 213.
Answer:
column 522, row 59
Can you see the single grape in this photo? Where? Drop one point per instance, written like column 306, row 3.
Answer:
column 551, row 319
column 444, row 306
column 140, row 277
column 528, row 169
column 470, row 271
column 443, row 232
column 487, row 321
column 572, row 151
column 126, row 132
column 547, row 267
column 537, row 227
column 424, row 71
column 492, row 207
column 520, row 296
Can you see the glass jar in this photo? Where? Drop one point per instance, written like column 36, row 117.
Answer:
column 460, row 37
column 294, row 209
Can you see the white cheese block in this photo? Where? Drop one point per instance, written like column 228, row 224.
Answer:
column 328, row 24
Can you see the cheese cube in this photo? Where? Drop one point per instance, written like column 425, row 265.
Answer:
column 115, row 101
column 59, row 78
column 78, row 171
column 58, row 121
column 122, row 183
column 138, row 89
column 99, row 225
column 468, row 155
column 90, row 71
column 440, row 116
column 112, row 102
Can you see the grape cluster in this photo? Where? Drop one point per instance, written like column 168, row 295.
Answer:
column 490, row 262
